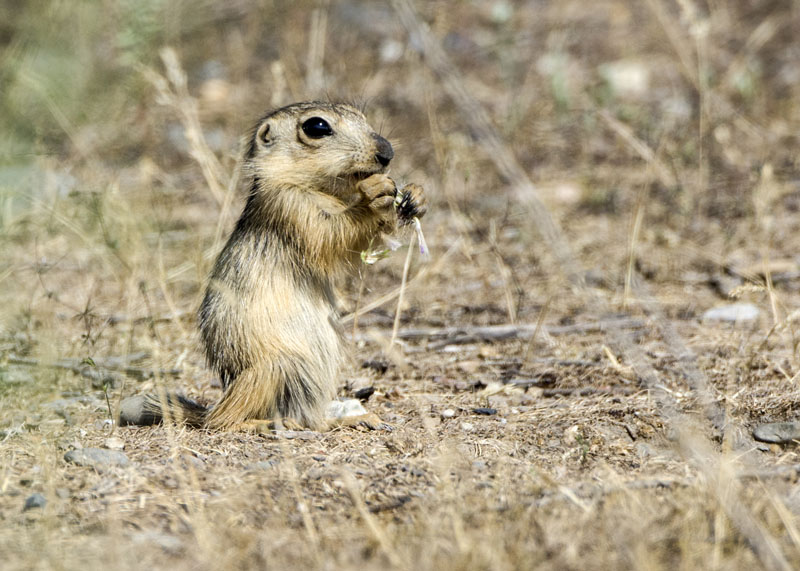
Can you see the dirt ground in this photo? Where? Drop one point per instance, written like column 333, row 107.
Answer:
column 557, row 395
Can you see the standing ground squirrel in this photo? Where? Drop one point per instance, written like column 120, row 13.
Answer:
column 319, row 197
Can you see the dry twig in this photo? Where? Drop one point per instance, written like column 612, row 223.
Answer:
column 101, row 369
column 459, row 335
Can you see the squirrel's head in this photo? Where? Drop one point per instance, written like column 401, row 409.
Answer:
column 324, row 146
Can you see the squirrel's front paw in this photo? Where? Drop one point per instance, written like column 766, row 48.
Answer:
column 411, row 203
column 380, row 192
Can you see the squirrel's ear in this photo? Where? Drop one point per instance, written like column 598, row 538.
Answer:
column 262, row 134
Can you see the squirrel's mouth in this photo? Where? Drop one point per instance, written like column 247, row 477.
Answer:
column 344, row 185
column 347, row 182
column 361, row 175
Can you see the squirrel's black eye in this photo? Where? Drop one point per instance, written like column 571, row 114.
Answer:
column 317, row 127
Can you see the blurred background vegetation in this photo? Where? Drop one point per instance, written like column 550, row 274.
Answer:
column 688, row 108
column 112, row 172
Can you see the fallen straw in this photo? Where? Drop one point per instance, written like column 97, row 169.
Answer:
column 423, row 245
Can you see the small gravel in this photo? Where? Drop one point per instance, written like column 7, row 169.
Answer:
column 33, row 501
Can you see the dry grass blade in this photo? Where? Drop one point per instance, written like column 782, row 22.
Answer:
column 676, row 38
column 516, row 331
column 430, row 269
column 720, row 476
column 315, row 79
column 173, row 92
column 378, row 533
column 640, row 147
column 401, row 294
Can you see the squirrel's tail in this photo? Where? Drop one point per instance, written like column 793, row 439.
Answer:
column 144, row 410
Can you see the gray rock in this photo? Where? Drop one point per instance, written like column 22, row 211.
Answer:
column 36, row 500
column 486, row 411
column 733, row 313
column 96, row 457
column 777, row 432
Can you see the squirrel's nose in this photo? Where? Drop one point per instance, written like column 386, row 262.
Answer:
column 385, row 152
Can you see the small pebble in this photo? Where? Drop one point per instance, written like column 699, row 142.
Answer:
column 466, row 426
column 733, row 313
column 96, row 457
column 364, row 393
column 36, row 500
column 316, row 473
column 448, row 413
column 103, row 425
column 263, row 465
column 114, row 443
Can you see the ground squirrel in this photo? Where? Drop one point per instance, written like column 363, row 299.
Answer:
column 319, row 196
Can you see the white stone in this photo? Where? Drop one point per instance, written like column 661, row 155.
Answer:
column 733, row 313
column 345, row 408
column 627, row 77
